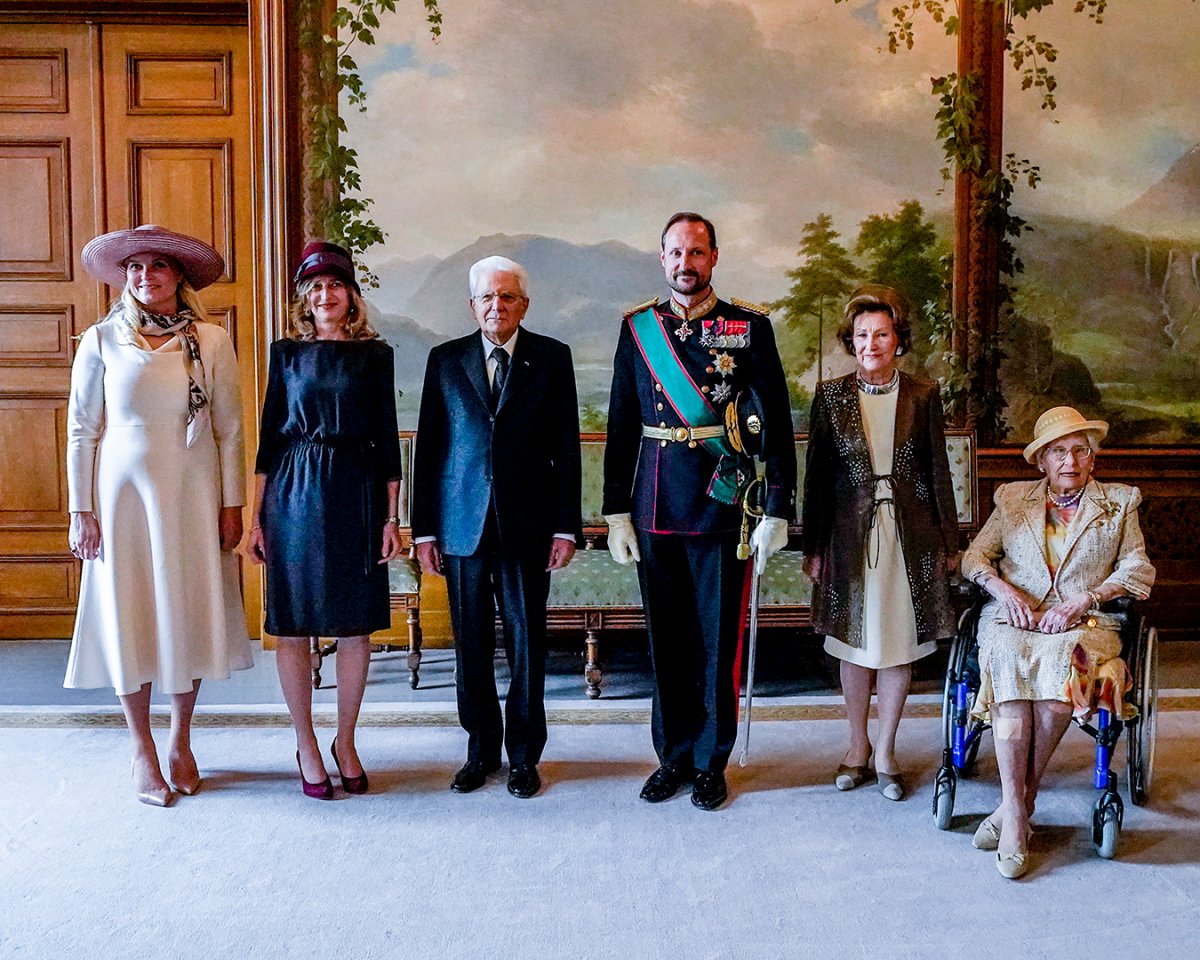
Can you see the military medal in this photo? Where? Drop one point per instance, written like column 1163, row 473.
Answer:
column 725, row 334
column 721, row 392
column 684, row 331
column 725, row 364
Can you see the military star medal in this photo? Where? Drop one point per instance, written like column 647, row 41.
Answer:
column 721, row 392
column 724, row 364
column 684, row 331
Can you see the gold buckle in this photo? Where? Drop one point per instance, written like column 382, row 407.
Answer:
column 680, row 435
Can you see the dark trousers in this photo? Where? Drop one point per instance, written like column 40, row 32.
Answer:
column 692, row 595
column 477, row 585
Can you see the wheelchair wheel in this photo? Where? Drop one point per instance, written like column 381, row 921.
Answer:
column 1107, row 815
column 1141, row 738
column 944, row 788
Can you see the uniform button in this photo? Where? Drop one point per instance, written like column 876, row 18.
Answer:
column 710, row 369
column 662, row 443
column 713, row 352
column 659, row 406
column 691, row 443
column 705, row 389
column 661, row 424
column 658, row 387
column 492, row 419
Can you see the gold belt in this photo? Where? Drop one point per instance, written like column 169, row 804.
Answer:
column 682, row 434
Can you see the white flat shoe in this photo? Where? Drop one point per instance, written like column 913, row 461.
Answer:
column 1012, row 866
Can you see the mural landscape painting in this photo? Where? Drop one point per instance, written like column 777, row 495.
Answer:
column 527, row 132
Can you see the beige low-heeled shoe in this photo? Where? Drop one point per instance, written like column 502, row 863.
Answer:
column 987, row 835
column 847, row 777
column 1013, row 866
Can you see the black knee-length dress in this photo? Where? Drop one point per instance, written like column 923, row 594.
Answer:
column 328, row 448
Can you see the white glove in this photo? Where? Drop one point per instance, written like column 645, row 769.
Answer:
column 622, row 539
column 768, row 538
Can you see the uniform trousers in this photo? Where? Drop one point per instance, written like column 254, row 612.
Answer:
column 692, row 589
column 518, row 586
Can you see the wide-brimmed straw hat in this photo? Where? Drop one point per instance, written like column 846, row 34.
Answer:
column 1059, row 422
column 321, row 256
column 104, row 256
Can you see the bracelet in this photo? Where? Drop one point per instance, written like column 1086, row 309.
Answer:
column 387, row 520
column 1095, row 599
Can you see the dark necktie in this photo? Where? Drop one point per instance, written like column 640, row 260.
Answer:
column 500, row 355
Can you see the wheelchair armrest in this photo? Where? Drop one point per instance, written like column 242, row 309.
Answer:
column 1120, row 605
column 971, row 593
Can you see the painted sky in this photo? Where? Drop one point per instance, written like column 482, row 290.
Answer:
column 592, row 120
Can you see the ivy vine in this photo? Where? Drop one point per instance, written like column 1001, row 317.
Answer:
column 345, row 214
column 965, row 150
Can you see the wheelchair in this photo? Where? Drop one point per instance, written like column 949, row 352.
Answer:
column 962, row 733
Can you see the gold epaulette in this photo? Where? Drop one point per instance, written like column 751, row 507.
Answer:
column 752, row 307
column 641, row 306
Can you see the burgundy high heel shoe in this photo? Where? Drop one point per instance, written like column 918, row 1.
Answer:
column 349, row 784
column 318, row 791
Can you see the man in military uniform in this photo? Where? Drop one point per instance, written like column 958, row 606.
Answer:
column 671, row 498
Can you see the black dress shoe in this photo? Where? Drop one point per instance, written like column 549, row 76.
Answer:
column 709, row 791
column 523, row 781
column 472, row 776
column 665, row 782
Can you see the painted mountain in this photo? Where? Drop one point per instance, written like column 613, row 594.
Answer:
column 577, row 294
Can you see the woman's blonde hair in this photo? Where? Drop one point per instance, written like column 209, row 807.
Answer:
column 301, row 325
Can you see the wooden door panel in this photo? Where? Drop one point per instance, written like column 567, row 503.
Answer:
column 35, row 196
column 33, row 80
column 176, row 84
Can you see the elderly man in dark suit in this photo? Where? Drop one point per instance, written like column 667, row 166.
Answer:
column 496, row 508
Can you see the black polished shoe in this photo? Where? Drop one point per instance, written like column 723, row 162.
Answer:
column 709, row 791
column 665, row 782
column 472, row 776
column 523, row 781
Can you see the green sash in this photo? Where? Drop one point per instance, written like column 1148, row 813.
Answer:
column 692, row 406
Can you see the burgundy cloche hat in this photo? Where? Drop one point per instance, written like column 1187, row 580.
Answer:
column 321, row 256
column 104, row 256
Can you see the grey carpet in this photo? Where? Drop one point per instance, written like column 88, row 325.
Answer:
column 791, row 868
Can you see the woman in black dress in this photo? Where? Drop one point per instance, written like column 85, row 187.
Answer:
column 328, row 484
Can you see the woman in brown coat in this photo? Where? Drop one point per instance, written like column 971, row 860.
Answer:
column 880, row 527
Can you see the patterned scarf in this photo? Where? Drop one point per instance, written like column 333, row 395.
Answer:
column 183, row 325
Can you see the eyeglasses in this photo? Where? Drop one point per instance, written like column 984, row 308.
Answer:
column 1078, row 452
column 508, row 299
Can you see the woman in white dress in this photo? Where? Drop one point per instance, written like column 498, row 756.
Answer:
column 880, row 528
column 156, row 481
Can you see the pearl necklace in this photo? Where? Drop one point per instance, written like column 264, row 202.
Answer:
column 1070, row 500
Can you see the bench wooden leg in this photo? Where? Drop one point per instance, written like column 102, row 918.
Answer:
column 315, row 656
column 592, row 672
column 414, row 648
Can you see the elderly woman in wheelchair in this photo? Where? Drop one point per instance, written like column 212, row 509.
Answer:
column 1051, row 554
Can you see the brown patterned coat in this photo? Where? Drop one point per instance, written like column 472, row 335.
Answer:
column 838, row 495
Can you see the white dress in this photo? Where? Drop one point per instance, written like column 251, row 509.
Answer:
column 889, row 622
column 162, row 603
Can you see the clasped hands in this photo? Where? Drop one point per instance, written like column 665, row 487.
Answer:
column 1020, row 612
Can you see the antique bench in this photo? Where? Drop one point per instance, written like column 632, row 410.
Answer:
column 595, row 594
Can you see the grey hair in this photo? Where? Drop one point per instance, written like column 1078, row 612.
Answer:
column 489, row 265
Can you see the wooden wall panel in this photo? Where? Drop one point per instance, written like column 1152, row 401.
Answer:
column 190, row 187
column 35, row 230
column 43, row 586
column 175, row 84
column 33, row 81
column 33, row 441
column 36, row 334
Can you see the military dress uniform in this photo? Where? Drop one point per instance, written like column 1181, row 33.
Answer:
column 692, row 582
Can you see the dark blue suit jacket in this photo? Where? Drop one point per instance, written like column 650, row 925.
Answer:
column 526, row 456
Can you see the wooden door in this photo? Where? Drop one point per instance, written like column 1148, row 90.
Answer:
column 102, row 127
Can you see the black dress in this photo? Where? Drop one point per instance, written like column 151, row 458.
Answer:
column 328, row 448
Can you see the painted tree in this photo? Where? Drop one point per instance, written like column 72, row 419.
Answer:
column 902, row 252
column 819, row 284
